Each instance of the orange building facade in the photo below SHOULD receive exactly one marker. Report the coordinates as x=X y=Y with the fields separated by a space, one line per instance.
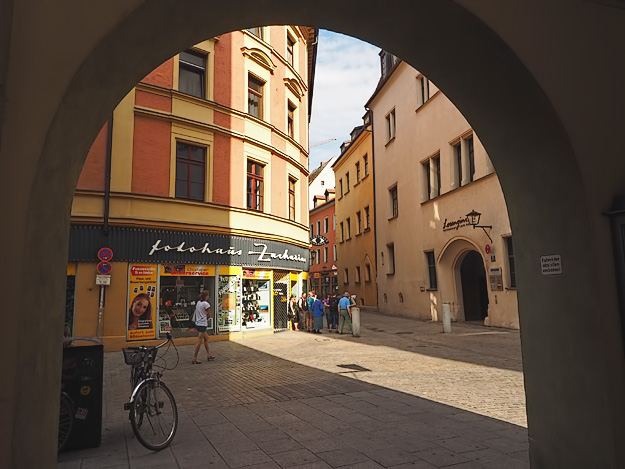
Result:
x=198 y=181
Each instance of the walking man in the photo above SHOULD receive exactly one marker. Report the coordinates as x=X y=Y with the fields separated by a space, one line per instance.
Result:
x=345 y=313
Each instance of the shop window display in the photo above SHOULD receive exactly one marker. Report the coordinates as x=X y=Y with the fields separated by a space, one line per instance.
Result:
x=256 y=301
x=177 y=299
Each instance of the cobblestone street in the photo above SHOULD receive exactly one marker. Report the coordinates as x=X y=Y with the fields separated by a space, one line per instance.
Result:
x=402 y=394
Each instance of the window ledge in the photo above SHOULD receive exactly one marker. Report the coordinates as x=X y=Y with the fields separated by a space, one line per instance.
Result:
x=431 y=289
x=393 y=217
x=390 y=273
x=366 y=229
x=364 y=177
x=358 y=234
x=390 y=141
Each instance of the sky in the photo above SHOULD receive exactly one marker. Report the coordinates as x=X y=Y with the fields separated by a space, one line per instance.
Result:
x=346 y=75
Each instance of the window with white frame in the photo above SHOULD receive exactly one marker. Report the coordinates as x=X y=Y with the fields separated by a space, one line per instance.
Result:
x=255 y=89
x=365 y=160
x=334 y=222
x=290 y=120
x=430 y=178
x=334 y=252
x=423 y=90
x=390 y=126
x=325 y=225
x=258 y=31
x=255 y=185
x=357 y=172
x=290 y=50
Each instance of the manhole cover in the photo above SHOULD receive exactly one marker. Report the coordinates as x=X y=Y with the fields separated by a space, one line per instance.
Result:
x=354 y=367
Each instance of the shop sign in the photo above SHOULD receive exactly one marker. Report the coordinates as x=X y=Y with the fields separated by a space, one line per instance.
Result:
x=142 y=302
x=257 y=274
x=187 y=270
x=455 y=224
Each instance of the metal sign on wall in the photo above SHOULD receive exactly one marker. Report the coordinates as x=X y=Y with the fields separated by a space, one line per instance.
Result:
x=160 y=246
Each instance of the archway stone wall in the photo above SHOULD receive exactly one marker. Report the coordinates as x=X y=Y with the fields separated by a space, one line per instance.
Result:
x=519 y=91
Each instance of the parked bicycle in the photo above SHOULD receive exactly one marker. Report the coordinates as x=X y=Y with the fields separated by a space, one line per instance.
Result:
x=153 y=411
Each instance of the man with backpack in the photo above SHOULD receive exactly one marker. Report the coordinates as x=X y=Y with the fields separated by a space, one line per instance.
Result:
x=303 y=306
x=333 y=323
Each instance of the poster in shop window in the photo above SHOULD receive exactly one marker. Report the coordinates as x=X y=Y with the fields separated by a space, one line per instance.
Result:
x=229 y=303
x=142 y=301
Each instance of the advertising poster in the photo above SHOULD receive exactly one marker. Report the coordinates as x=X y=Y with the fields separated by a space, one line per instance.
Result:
x=188 y=270
x=142 y=301
x=229 y=303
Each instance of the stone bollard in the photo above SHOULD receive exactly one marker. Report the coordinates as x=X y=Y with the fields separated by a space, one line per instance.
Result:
x=446 y=317
x=355 y=320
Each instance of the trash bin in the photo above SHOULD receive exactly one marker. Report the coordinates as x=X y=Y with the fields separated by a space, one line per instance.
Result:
x=82 y=382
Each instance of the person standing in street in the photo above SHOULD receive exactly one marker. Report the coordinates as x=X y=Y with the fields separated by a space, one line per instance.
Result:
x=334 y=313
x=303 y=313
x=317 y=312
x=200 y=317
x=345 y=313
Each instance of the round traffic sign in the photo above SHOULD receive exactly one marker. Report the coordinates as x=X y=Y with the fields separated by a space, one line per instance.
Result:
x=105 y=254
x=104 y=268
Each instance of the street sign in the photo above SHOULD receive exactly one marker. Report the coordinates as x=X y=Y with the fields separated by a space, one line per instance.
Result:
x=104 y=268
x=102 y=279
x=105 y=254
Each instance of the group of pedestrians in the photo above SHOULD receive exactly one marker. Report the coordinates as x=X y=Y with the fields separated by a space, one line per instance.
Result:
x=307 y=312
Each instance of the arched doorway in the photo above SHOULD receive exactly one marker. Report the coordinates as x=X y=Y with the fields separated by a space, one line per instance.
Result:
x=474 y=291
x=51 y=128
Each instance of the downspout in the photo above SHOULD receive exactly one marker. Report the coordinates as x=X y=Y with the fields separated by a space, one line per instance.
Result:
x=375 y=209
x=107 y=176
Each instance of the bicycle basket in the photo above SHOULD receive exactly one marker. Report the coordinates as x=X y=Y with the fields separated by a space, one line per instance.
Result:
x=132 y=356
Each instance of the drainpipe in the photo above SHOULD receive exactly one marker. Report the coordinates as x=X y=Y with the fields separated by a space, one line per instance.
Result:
x=107 y=176
x=375 y=209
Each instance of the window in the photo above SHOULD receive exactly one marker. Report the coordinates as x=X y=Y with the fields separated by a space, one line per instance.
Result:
x=318 y=227
x=431 y=263
x=357 y=172
x=341 y=186
x=427 y=183
x=359 y=222
x=457 y=152
x=423 y=91
x=334 y=222
x=325 y=254
x=255 y=185
x=357 y=279
x=312 y=230
x=347 y=182
x=290 y=122
x=390 y=268
x=318 y=256
x=471 y=157
x=390 y=126
x=367 y=219
x=393 y=201
x=334 y=252
x=342 y=232
x=325 y=225
x=367 y=272
x=346 y=273
x=511 y=269
x=431 y=178
x=349 y=228
x=292 y=199
x=192 y=73
x=190 y=171
x=366 y=161
x=290 y=49
x=255 y=97
x=258 y=32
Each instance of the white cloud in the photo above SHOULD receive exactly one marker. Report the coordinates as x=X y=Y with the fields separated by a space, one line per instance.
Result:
x=346 y=74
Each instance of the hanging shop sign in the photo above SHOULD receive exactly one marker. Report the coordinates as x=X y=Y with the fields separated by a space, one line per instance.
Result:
x=179 y=247
x=142 y=301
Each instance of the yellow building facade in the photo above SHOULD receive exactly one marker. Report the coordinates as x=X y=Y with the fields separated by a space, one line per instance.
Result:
x=355 y=212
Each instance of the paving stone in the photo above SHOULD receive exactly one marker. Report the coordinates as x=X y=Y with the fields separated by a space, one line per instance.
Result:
x=342 y=457
x=415 y=465
x=391 y=456
x=460 y=444
x=245 y=458
x=296 y=457
x=280 y=445
x=440 y=457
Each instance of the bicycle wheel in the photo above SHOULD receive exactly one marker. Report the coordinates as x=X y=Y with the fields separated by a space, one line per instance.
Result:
x=66 y=420
x=154 y=415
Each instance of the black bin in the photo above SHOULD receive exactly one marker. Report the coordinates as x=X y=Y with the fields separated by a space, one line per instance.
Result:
x=82 y=381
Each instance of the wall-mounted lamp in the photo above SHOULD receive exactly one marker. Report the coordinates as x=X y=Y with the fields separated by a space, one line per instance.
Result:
x=474 y=221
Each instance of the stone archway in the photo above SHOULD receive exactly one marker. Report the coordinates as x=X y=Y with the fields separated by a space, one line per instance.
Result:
x=46 y=131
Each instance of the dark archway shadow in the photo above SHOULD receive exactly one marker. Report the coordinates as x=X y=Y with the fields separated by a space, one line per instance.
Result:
x=251 y=408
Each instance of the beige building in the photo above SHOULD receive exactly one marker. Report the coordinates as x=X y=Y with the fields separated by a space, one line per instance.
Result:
x=354 y=216
x=433 y=179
